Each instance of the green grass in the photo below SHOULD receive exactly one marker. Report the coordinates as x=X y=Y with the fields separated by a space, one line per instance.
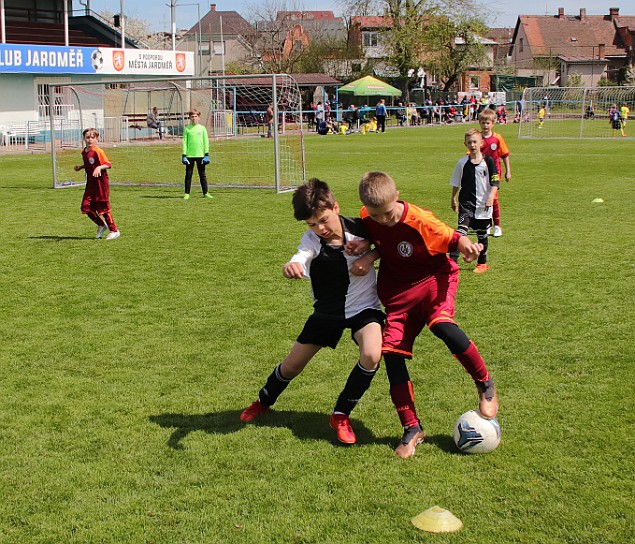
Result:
x=125 y=364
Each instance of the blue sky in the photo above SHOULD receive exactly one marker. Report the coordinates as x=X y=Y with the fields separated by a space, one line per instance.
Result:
x=500 y=13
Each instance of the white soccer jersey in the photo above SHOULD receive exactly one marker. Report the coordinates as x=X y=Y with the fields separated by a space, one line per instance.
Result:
x=476 y=182
x=336 y=292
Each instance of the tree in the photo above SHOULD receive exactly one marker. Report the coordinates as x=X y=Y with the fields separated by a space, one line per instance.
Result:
x=453 y=45
x=424 y=34
x=289 y=44
x=137 y=31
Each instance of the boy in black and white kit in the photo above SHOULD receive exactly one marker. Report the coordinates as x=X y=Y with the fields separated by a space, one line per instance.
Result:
x=475 y=179
x=341 y=301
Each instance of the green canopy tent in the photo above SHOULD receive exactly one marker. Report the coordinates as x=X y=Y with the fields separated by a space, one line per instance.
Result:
x=369 y=86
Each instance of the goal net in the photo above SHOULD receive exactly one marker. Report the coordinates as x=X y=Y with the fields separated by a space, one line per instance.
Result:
x=575 y=112
x=244 y=151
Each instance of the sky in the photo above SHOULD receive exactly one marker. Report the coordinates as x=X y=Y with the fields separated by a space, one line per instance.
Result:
x=499 y=13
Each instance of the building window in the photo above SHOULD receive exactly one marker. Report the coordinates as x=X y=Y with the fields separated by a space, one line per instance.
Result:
x=61 y=101
x=218 y=48
x=521 y=46
x=370 y=39
x=474 y=82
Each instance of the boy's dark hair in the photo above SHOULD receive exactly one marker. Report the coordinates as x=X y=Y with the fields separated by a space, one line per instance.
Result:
x=312 y=197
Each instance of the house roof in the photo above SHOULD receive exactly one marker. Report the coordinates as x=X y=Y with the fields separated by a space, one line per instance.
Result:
x=572 y=36
x=305 y=15
x=375 y=21
x=303 y=80
x=233 y=24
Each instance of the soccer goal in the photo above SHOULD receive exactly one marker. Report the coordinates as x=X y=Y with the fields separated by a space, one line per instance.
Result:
x=574 y=112
x=243 y=152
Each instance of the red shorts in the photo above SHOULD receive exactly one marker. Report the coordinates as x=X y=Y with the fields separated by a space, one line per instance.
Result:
x=433 y=303
x=89 y=204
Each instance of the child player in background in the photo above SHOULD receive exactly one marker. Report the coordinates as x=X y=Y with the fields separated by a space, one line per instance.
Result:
x=341 y=301
x=494 y=146
x=96 y=200
x=195 y=151
x=475 y=181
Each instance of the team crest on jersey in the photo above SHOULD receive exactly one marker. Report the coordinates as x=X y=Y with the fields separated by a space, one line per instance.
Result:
x=493 y=146
x=404 y=249
x=91 y=160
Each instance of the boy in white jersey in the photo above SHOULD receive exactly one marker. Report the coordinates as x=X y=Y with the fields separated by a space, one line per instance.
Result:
x=342 y=301
x=475 y=181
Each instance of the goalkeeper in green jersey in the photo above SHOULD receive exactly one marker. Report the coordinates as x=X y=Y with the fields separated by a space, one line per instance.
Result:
x=195 y=151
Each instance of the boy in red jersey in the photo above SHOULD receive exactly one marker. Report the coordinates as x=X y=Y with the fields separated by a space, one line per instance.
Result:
x=417 y=284
x=96 y=200
x=494 y=146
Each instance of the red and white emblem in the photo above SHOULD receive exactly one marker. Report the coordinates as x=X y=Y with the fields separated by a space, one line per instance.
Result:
x=180 y=62
x=118 y=60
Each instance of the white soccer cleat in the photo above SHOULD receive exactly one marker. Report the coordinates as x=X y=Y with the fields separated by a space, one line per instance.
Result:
x=113 y=235
x=100 y=231
x=498 y=232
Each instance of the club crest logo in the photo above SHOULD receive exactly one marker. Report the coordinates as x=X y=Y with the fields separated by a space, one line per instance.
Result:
x=404 y=249
x=91 y=160
x=180 y=62
x=118 y=60
x=493 y=146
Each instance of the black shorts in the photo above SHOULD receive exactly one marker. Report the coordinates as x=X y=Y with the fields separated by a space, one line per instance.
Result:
x=467 y=222
x=325 y=332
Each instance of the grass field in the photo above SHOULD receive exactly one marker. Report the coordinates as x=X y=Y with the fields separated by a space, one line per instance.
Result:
x=125 y=364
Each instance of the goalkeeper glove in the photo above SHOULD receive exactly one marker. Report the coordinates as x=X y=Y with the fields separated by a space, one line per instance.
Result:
x=184 y=160
x=206 y=159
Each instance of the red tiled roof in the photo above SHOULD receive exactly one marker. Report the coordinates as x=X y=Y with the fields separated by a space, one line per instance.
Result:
x=569 y=36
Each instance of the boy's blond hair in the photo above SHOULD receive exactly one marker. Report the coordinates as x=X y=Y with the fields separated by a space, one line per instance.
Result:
x=93 y=132
x=487 y=113
x=472 y=132
x=193 y=112
x=377 y=189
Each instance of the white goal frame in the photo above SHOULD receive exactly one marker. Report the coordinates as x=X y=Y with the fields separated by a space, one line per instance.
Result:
x=233 y=109
x=574 y=112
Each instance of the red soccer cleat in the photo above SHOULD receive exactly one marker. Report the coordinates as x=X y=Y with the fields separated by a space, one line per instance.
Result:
x=255 y=409
x=342 y=425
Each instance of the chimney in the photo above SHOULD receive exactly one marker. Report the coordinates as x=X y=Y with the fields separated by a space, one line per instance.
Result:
x=601 y=50
x=614 y=13
x=582 y=14
x=212 y=7
x=560 y=13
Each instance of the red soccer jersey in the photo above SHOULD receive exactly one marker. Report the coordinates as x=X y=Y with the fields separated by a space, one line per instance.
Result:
x=97 y=187
x=412 y=251
x=495 y=147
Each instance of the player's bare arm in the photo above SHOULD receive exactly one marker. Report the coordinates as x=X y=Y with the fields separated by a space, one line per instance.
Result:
x=362 y=266
x=469 y=249
x=293 y=271
x=356 y=247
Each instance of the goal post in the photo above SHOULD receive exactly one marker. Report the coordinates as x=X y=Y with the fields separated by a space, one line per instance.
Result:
x=574 y=112
x=244 y=151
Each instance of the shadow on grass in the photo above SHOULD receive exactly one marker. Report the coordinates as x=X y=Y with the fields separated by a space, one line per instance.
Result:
x=444 y=442
x=304 y=425
x=61 y=238
x=164 y=197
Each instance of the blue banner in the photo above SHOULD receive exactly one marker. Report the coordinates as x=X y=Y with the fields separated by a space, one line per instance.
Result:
x=46 y=59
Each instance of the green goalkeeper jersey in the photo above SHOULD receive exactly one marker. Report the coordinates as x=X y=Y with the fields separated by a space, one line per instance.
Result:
x=195 y=141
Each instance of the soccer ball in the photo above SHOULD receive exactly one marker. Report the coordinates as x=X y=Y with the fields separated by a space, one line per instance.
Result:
x=97 y=59
x=475 y=434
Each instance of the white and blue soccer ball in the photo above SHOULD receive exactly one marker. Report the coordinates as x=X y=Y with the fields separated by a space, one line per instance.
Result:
x=97 y=59
x=475 y=434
